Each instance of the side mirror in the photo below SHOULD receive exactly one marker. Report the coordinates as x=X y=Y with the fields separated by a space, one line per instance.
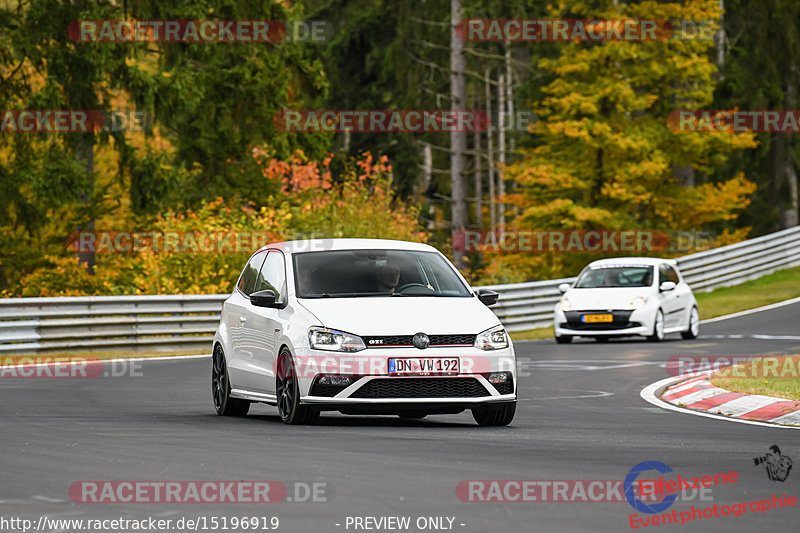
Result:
x=667 y=286
x=487 y=297
x=264 y=298
x=564 y=287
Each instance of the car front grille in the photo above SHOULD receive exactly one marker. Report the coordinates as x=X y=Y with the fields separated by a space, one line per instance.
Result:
x=621 y=321
x=395 y=341
x=421 y=388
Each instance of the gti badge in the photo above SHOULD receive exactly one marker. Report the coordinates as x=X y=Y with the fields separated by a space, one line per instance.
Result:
x=421 y=341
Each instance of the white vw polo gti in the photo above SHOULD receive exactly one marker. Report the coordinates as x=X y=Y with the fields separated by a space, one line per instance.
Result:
x=361 y=326
x=627 y=296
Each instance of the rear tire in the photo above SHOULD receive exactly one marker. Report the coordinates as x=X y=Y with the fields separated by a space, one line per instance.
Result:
x=287 y=391
x=564 y=339
x=221 y=388
x=494 y=416
x=601 y=339
x=658 y=328
x=694 y=325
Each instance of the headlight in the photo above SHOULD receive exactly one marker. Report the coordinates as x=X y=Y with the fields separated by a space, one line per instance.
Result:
x=492 y=339
x=637 y=302
x=565 y=304
x=331 y=340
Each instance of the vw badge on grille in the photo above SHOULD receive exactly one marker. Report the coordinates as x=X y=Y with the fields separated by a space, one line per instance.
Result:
x=421 y=341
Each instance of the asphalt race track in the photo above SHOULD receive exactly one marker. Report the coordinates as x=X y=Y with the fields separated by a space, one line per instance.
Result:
x=580 y=417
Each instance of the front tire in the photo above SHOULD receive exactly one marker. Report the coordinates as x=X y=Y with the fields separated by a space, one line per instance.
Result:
x=694 y=325
x=563 y=339
x=494 y=416
x=221 y=388
x=658 y=328
x=287 y=388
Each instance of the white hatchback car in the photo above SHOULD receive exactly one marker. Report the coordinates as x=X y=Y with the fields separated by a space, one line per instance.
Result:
x=627 y=296
x=361 y=326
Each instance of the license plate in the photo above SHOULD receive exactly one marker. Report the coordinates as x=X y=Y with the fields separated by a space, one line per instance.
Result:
x=424 y=365
x=592 y=319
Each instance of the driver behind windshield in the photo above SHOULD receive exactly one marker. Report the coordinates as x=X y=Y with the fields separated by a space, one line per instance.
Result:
x=388 y=277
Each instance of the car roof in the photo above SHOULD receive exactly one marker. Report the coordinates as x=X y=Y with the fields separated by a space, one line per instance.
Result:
x=319 y=245
x=632 y=261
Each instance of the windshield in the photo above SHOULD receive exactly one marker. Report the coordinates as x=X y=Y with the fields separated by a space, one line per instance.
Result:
x=357 y=273
x=615 y=276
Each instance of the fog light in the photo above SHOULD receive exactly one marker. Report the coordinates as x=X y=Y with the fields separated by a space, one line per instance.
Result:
x=336 y=381
x=498 y=377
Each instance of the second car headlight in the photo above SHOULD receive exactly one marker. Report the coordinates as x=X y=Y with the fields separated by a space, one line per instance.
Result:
x=492 y=339
x=565 y=304
x=637 y=302
x=332 y=340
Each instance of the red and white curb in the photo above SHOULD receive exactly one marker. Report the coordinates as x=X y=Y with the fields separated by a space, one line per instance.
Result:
x=696 y=395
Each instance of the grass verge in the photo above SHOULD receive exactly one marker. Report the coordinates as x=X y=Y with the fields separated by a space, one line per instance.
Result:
x=772 y=288
x=768 y=376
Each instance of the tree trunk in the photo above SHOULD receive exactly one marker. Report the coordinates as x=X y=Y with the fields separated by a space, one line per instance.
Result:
x=501 y=149
x=84 y=151
x=490 y=154
x=719 y=38
x=789 y=212
x=458 y=139
x=427 y=167
x=478 y=180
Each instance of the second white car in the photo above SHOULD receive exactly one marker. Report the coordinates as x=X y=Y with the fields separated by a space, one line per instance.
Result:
x=624 y=297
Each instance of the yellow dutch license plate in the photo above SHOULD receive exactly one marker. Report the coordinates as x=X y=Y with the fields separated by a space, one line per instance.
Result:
x=593 y=319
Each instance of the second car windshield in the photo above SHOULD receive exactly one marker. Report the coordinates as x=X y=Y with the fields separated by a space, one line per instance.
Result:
x=349 y=273
x=618 y=276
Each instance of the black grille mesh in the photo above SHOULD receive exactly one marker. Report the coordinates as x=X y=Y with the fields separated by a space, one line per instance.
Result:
x=437 y=340
x=421 y=388
x=325 y=390
x=504 y=388
x=405 y=340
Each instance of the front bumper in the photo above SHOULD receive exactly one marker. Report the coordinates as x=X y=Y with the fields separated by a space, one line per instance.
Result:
x=372 y=385
x=625 y=323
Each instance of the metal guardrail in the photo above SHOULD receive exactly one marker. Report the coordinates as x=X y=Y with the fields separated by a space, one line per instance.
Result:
x=530 y=305
x=109 y=323
x=186 y=322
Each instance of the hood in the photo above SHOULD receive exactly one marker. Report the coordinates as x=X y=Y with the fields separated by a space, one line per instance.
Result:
x=604 y=299
x=402 y=315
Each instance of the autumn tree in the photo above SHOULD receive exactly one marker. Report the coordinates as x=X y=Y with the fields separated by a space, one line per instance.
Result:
x=607 y=157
